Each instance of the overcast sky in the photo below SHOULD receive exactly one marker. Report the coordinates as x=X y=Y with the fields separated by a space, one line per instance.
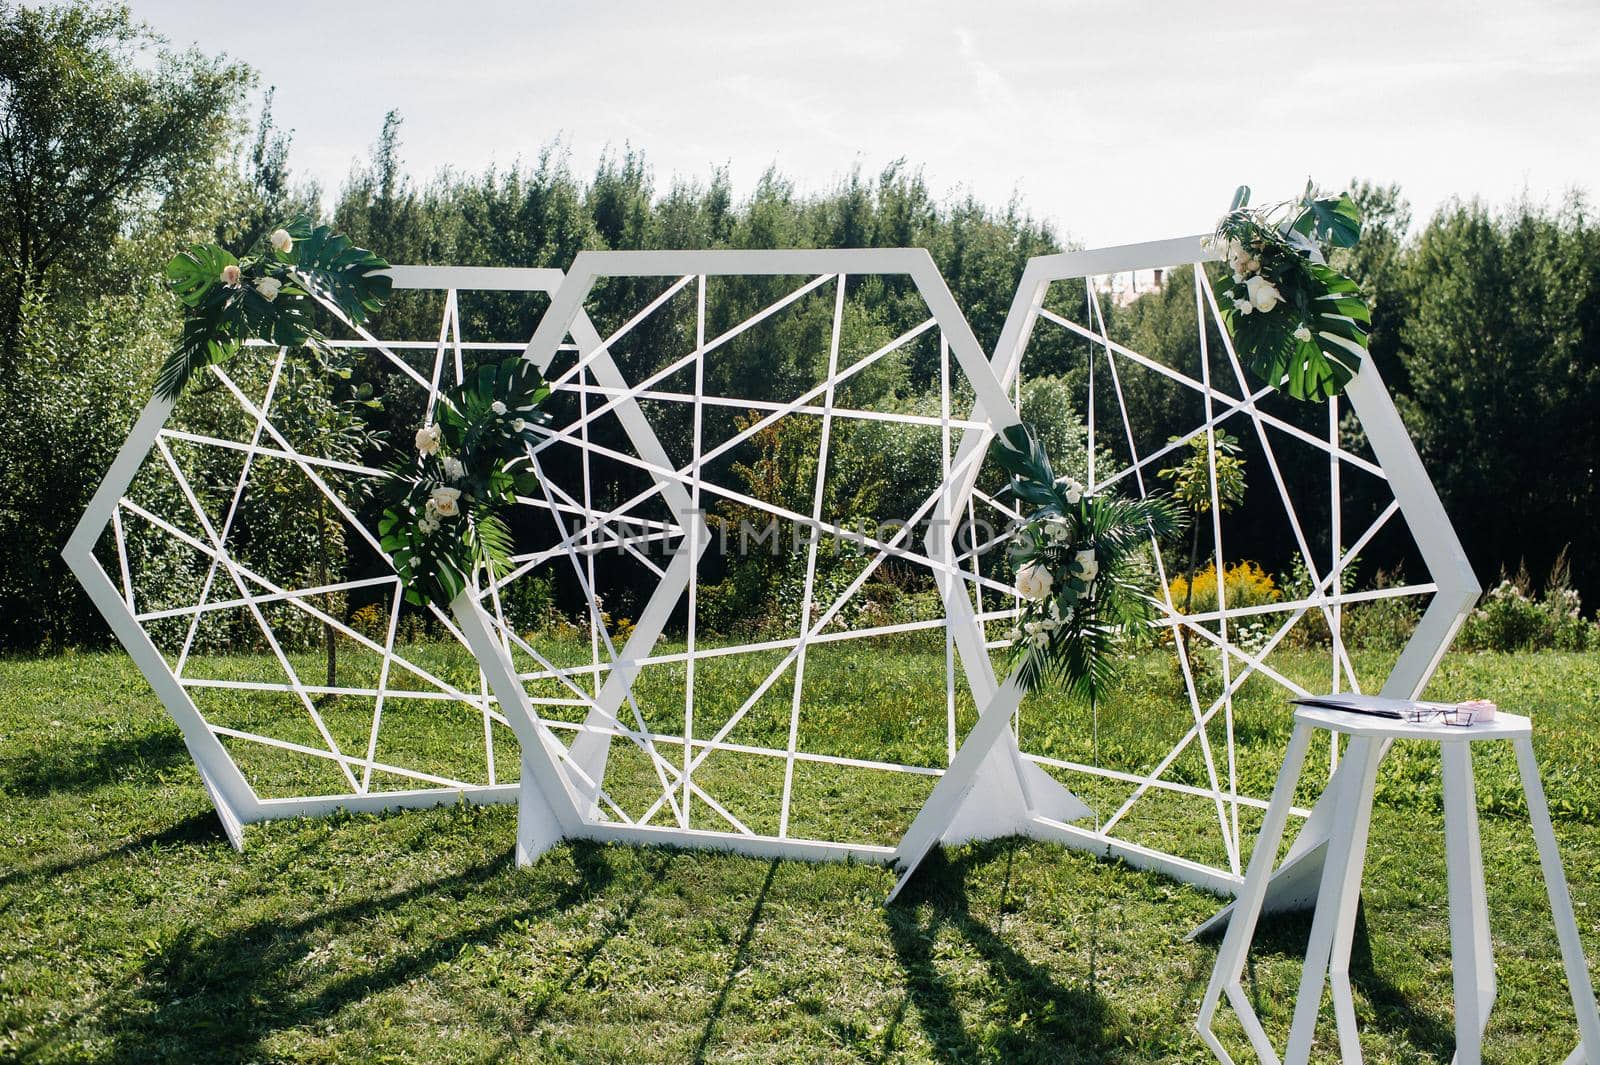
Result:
x=1116 y=122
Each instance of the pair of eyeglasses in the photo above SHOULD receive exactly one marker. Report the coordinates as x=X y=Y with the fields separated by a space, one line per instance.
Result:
x=1458 y=716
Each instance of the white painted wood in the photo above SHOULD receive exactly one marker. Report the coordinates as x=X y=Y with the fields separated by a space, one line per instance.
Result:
x=1332 y=930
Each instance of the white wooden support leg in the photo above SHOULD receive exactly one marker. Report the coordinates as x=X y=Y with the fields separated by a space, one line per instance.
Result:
x=1229 y=967
x=1336 y=908
x=538 y=828
x=1344 y=933
x=1471 y=953
x=1555 y=883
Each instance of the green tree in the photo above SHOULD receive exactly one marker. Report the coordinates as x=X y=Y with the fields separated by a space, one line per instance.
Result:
x=1503 y=354
x=90 y=135
x=1191 y=487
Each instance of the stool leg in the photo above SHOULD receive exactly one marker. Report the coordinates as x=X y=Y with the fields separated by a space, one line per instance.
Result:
x=1247 y=908
x=1471 y=954
x=1555 y=883
x=1337 y=898
x=1344 y=934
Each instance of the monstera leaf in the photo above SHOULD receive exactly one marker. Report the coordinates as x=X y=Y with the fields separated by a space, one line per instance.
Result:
x=1314 y=367
x=265 y=296
x=1304 y=331
x=352 y=277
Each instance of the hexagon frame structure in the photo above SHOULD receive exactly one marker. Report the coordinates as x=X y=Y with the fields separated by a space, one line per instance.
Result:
x=554 y=804
x=1455 y=588
x=236 y=800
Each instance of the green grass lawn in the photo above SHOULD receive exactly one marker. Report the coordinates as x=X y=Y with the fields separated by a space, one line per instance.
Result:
x=129 y=930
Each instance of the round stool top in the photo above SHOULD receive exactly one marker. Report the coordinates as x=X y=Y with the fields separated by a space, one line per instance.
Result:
x=1504 y=726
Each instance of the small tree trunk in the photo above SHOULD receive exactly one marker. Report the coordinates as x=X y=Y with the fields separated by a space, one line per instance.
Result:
x=328 y=600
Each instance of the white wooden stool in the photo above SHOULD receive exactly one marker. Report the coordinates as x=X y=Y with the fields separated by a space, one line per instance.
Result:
x=1333 y=927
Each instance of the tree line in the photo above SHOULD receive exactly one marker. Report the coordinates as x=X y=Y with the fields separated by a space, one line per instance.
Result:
x=115 y=150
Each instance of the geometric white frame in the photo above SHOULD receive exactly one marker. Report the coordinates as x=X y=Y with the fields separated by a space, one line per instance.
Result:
x=554 y=806
x=236 y=801
x=1455 y=591
x=990 y=788
x=1332 y=931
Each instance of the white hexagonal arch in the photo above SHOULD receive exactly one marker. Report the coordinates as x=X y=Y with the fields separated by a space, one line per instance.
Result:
x=562 y=806
x=284 y=714
x=1249 y=406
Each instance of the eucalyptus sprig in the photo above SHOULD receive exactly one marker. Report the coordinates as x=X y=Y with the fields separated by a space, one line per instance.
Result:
x=1076 y=557
x=267 y=295
x=443 y=517
x=1296 y=323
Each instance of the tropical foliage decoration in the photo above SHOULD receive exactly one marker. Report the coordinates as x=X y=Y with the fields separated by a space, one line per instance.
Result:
x=1296 y=322
x=1081 y=571
x=442 y=518
x=266 y=295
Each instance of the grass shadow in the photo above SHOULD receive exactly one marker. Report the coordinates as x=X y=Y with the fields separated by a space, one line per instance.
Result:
x=200 y=828
x=83 y=768
x=741 y=959
x=1042 y=1020
x=1391 y=1010
x=210 y=997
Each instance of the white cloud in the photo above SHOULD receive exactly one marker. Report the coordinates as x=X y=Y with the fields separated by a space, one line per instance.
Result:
x=1119 y=122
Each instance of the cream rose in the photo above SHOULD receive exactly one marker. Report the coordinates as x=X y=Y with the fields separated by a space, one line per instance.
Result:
x=446 y=501
x=1033 y=582
x=268 y=288
x=230 y=274
x=428 y=439
x=281 y=241
x=1263 y=293
x=1088 y=567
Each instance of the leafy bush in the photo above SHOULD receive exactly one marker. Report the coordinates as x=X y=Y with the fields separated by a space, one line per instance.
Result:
x=1244 y=583
x=1382 y=624
x=1512 y=617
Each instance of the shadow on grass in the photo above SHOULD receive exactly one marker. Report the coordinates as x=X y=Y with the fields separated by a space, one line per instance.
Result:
x=741 y=958
x=88 y=767
x=1387 y=1008
x=200 y=828
x=209 y=997
x=1039 y=1020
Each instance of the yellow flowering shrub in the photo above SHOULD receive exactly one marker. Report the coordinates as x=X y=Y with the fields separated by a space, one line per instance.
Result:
x=1245 y=583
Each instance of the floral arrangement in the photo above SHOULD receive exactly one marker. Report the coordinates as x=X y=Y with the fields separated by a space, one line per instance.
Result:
x=1079 y=572
x=1296 y=323
x=265 y=295
x=442 y=521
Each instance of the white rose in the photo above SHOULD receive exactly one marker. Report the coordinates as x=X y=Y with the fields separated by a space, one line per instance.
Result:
x=497 y=407
x=268 y=288
x=1243 y=306
x=1088 y=567
x=1302 y=334
x=453 y=468
x=1033 y=582
x=1237 y=256
x=1056 y=531
x=281 y=241
x=428 y=439
x=1041 y=639
x=517 y=425
x=1263 y=293
x=446 y=501
x=1071 y=490
x=230 y=274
